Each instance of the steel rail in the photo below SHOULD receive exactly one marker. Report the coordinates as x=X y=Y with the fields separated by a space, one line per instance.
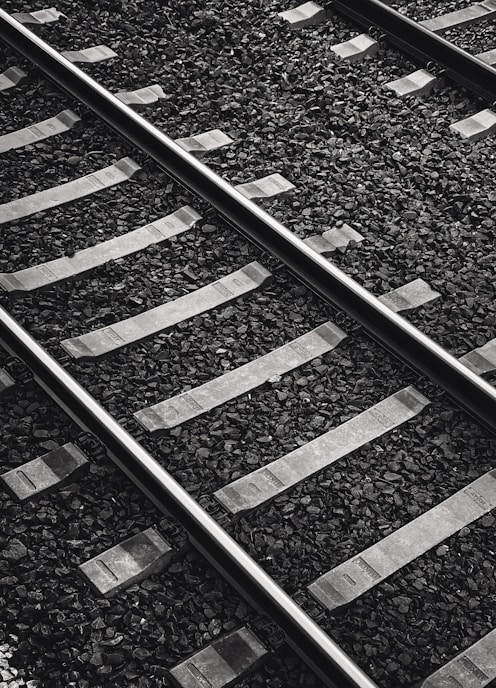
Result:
x=423 y=44
x=405 y=341
x=309 y=641
x=400 y=337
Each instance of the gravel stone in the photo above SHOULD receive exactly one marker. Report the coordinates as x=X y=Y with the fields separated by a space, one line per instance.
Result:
x=424 y=205
x=14 y=550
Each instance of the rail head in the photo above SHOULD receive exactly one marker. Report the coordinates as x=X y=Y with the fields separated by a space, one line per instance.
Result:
x=401 y=338
x=423 y=44
x=309 y=641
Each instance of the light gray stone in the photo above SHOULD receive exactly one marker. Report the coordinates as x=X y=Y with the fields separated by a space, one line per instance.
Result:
x=120 y=172
x=59 y=124
x=194 y=402
x=81 y=262
x=263 y=484
x=14 y=550
x=220 y=292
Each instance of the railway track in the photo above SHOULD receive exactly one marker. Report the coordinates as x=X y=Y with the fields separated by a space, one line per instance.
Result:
x=254 y=506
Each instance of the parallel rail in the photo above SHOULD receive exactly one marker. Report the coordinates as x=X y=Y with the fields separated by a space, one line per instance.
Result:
x=307 y=639
x=396 y=334
x=422 y=44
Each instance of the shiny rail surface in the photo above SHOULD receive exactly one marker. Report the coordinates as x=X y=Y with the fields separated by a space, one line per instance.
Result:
x=307 y=639
x=395 y=333
x=328 y=661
